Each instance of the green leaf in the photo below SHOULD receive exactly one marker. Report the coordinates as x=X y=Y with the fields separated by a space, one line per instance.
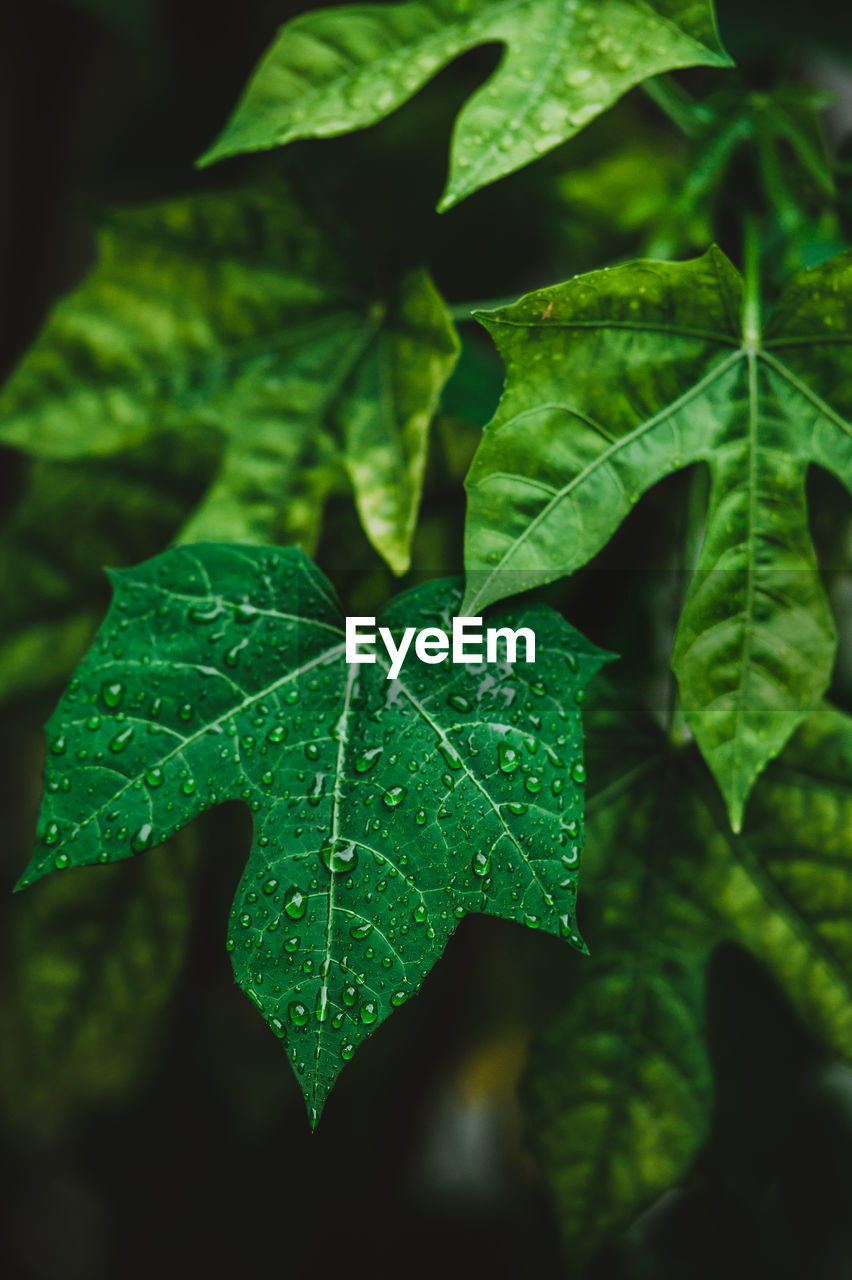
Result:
x=665 y=880
x=620 y=377
x=566 y=61
x=94 y=960
x=233 y=313
x=617 y=1088
x=122 y=510
x=384 y=811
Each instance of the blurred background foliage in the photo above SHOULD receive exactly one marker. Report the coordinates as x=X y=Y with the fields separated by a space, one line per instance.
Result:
x=678 y=1105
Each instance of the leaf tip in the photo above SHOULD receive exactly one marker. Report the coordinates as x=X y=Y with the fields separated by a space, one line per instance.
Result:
x=735 y=805
x=218 y=150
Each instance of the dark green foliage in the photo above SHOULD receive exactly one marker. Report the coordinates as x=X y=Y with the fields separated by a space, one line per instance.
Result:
x=385 y=810
x=243 y=393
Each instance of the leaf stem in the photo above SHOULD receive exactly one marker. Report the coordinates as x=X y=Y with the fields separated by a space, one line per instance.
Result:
x=751 y=275
x=674 y=102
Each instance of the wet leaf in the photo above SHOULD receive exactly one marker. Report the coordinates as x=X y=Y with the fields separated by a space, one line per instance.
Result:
x=384 y=810
x=620 y=377
x=565 y=62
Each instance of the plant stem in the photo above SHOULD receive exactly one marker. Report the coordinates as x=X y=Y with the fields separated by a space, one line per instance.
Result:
x=751 y=274
x=676 y=103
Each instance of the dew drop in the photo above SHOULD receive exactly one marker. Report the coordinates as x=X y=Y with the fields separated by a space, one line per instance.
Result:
x=481 y=864
x=112 y=692
x=143 y=838
x=394 y=797
x=295 y=902
x=341 y=855
x=207 y=611
x=121 y=739
x=297 y=1013
x=367 y=759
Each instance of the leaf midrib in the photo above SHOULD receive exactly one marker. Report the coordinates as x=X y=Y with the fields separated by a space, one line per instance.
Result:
x=623 y=442
x=751 y=354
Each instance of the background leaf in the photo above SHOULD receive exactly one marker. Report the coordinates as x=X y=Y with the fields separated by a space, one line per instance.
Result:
x=123 y=509
x=345 y=67
x=90 y=962
x=618 y=1093
x=619 y=377
x=240 y=316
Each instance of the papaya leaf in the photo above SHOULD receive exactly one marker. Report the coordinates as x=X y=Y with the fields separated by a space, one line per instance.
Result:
x=566 y=61
x=384 y=810
x=94 y=960
x=620 y=377
x=122 y=510
x=666 y=880
x=235 y=313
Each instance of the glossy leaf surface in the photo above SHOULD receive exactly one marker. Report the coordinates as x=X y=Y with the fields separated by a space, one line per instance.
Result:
x=384 y=811
x=619 y=377
x=566 y=61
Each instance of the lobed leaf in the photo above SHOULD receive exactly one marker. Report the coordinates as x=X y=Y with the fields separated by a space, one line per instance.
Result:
x=565 y=61
x=384 y=810
x=622 y=376
x=122 y=509
x=235 y=314
x=94 y=959
x=666 y=880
